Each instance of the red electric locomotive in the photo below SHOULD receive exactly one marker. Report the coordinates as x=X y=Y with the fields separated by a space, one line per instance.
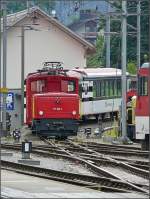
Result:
x=52 y=102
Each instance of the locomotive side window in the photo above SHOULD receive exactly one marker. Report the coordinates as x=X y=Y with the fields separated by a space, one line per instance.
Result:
x=143 y=86
x=67 y=86
x=71 y=86
x=33 y=86
x=40 y=85
x=37 y=86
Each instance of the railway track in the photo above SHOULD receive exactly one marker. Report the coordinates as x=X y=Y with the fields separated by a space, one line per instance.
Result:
x=71 y=157
x=94 y=162
x=128 y=147
x=103 y=163
x=95 y=159
x=114 y=151
x=98 y=183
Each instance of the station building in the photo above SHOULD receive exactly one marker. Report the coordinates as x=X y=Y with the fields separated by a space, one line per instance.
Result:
x=45 y=39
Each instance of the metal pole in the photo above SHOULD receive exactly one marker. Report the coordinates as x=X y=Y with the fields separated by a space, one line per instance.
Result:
x=4 y=62
x=108 y=36
x=0 y=76
x=22 y=75
x=123 y=57
x=138 y=34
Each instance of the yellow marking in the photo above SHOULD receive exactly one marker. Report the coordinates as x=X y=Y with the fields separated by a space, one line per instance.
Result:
x=80 y=108
x=3 y=90
x=33 y=110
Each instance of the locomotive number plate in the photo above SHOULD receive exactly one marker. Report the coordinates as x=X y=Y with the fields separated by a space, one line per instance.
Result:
x=57 y=109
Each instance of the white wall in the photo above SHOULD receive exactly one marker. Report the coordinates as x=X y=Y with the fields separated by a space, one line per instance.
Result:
x=48 y=44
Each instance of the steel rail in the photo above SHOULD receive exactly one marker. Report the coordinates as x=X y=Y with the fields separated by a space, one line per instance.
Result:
x=95 y=144
x=72 y=178
x=124 y=165
x=97 y=170
x=88 y=162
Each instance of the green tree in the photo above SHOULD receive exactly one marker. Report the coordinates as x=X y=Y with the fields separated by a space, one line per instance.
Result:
x=131 y=67
x=97 y=59
x=132 y=36
x=16 y=6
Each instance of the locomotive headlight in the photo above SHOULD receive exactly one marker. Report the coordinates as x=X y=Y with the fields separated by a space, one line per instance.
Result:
x=74 y=112
x=41 y=112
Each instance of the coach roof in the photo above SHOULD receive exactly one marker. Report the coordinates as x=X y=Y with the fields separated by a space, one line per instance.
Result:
x=96 y=72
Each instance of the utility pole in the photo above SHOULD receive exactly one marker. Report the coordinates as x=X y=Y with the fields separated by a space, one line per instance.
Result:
x=0 y=76
x=28 y=5
x=4 y=62
x=138 y=34
x=123 y=60
x=22 y=74
x=108 y=36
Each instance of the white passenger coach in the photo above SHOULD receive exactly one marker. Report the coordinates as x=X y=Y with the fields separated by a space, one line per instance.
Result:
x=99 y=90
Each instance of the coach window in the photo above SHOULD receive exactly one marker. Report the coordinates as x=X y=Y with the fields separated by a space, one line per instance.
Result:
x=111 y=88
x=98 y=88
x=115 y=87
x=106 y=88
x=85 y=88
x=103 y=88
x=143 y=86
x=94 y=89
x=118 y=87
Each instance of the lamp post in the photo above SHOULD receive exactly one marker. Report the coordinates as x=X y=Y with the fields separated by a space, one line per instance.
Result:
x=138 y=34
x=108 y=37
x=4 y=63
x=22 y=74
x=124 y=63
x=23 y=29
x=0 y=80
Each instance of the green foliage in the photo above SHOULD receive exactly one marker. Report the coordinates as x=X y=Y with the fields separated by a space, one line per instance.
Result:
x=97 y=59
x=74 y=18
x=131 y=67
x=15 y=5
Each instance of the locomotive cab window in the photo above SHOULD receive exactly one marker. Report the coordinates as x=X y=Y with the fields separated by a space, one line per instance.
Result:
x=67 y=86
x=38 y=86
x=143 y=86
x=71 y=86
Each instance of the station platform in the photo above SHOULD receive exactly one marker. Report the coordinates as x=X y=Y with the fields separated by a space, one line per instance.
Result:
x=15 y=185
